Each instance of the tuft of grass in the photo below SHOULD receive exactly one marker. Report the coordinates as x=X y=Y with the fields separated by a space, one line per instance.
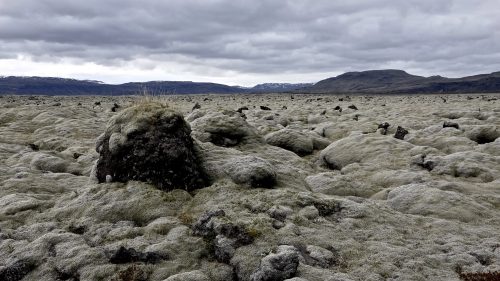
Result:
x=186 y=218
x=254 y=233
x=146 y=96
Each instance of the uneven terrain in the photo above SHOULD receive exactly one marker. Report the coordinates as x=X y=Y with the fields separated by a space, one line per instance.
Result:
x=300 y=187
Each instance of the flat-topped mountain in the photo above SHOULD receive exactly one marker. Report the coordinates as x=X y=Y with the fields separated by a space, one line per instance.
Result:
x=61 y=86
x=399 y=81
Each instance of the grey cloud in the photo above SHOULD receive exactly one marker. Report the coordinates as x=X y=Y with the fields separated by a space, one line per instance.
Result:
x=433 y=37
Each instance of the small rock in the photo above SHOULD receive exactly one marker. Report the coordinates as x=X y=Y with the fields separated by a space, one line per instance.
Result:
x=309 y=212
x=196 y=106
x=279 y=266
x=279 y=212
x=33 y=147
x=240 y=110
x=263 y=107
x=115 y=107
x=252 y=171
x=384 y=127
x=321 y=256
x=17 y=270
x=204 y=226
x=352 y=107
x=124 y=255
x=298 y=142
x=447 y=124
x=400 y=133
x=224 y=248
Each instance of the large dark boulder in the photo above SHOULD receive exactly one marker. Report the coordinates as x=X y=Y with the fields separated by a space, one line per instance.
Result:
x=151 y=143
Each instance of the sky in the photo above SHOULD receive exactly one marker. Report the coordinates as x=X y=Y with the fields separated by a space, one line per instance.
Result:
x=248 y=42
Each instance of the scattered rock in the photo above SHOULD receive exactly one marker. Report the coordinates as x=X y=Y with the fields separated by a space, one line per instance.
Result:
x=384 y=126
x=352 y=107
x=279 y=266
x=483 y=134
x=224 y=129
x=33 y=147
x=427 y=200
x=400 y=133
x=279 y=212
x=115 y=107
x=196 y=106
x=129 y=255
x=263 y=107
x=252 y=171
x=338 y=108
x=321 y=256
x=49 y=163
x=292 y=140
x=447 y=124
x=223 y=237
x=309 y=212
x=240 y=110
x=149 y=143
x=17 y=270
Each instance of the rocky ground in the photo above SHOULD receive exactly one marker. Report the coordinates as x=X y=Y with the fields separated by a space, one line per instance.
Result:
x=290 y=188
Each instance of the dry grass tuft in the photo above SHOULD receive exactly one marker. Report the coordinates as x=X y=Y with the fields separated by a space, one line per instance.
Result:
x=146 y=96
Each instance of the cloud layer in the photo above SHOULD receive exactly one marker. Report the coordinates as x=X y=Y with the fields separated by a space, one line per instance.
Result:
x=235 y=41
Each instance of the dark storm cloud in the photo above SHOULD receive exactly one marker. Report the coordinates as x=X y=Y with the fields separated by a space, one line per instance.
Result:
x=453 y=37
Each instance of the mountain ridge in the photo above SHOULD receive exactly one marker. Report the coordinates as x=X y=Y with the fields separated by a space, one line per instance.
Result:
x=393 y=81
x=385 y=81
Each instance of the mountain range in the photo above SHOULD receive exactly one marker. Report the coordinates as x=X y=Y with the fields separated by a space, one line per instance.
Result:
x=398 y=81
x=388 y=81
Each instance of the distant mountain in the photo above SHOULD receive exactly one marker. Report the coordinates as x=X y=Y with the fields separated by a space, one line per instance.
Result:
x=388 y=81
x=61 y=86
x=398 y=81
x=279 y=87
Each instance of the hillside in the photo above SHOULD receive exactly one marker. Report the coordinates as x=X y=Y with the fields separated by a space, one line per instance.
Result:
x=61 y=86
x=399 y=81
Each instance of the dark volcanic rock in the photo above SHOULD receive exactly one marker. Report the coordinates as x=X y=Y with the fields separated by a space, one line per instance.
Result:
x=17 y=270
x=240 y=110
x=33 y=147
x=400 y=133
x=149 y=143
x=263 y=107
x=128 y=255
x=384 y=126
x=196 y=106
x=115 y=107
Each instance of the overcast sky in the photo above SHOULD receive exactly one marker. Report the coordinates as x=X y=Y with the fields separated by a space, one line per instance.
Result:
x=246 y=42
